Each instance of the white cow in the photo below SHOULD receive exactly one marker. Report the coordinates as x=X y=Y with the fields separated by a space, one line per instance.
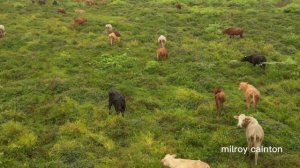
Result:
x=171 y=162
x=2 y=31
x=254 y=132
x=162 y=40
x=109 y=28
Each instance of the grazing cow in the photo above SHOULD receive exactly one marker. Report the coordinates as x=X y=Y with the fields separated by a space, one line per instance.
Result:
x=252 y=95
x=54 y=2
x=178 y=5
x=117 y=99
x=80 y=21
x=254 y=133
x=162 y=40
x=172 y=162
x=91 y=2
x=234 y=31
x=219 y=98
x=256 y=59
x=2 y=31
x=42 y=2
x=79 y=11
x=161 y=53
x=114 y=37
x=61 y=10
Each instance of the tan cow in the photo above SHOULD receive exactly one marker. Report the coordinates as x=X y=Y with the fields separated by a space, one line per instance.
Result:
x=171 y=162
x=254 y=132
x=79 y=11
x=91 y=2
x=114 y=37
x=252 y=95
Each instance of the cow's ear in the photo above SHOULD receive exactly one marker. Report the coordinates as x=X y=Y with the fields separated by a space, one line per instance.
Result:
x=173 y=155
x=236 y=117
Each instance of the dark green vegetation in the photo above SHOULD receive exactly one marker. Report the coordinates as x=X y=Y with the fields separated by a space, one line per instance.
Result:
x=54 y=79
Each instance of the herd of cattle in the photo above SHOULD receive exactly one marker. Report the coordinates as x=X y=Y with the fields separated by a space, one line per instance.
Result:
x=254 y=132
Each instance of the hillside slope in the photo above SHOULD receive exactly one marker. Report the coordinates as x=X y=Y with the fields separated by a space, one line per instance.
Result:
x=54 y=80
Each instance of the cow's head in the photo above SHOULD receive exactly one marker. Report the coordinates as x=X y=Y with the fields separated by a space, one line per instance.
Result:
x=167 y=160
x=225 y=31
x=108 y=26
x=243 y=120
x=245 y=59
x=217 y=90
x=243 y=86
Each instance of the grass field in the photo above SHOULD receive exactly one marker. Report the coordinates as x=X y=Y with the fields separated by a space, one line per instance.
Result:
x=54 y=80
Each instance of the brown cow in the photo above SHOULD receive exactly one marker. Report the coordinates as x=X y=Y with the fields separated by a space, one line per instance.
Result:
x=161 y=53
x=178 y=5
x=219 y=98
x=80 y=21
x=61 y=10
x=234 y=31
x=252 y=95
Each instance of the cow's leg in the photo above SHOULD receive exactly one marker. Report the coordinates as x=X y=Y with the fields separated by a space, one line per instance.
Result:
x=249 y=147
x=254 y=103
x=248 y=102
x=221 y=106
x=111 y=41
x=263 y=65
x=109 y=106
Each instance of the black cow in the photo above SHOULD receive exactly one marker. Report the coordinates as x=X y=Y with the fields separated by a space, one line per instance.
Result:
x=42 y=2
x=255 y=59
x=54 y=2
x=117 y=99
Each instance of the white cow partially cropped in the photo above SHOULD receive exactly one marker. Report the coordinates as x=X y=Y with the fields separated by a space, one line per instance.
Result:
x=2 y=31
x=171 y=162
x=254 y=132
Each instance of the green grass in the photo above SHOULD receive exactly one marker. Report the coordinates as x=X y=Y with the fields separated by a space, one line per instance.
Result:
x=54 y=79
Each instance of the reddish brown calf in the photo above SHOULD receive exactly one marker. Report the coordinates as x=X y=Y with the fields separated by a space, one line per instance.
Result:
x=161 y=53
x=234 y=31
x=61 y=10
x=219 y=98
x=178 y=5
x=80 y=21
